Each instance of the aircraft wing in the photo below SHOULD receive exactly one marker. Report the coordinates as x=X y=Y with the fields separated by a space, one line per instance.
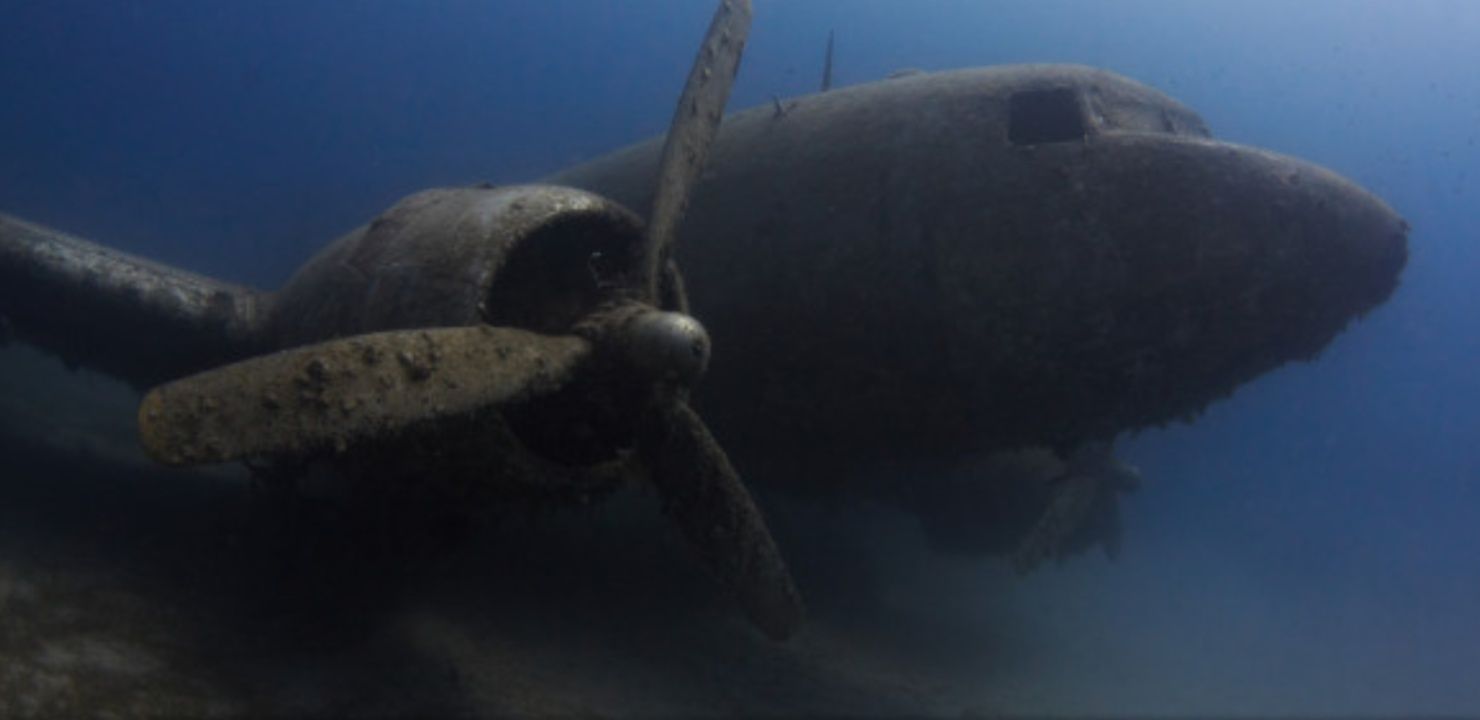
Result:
x=137 y=320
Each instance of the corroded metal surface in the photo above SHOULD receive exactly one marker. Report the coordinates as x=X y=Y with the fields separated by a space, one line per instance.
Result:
x=650 y=344
x=134 y=318
x=703 y=494
x=338 y=393
x=419 y=338
x=526 y=256
x=904 y=269
x=691 y=133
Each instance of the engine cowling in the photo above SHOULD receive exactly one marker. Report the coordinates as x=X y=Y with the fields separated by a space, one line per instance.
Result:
x=529 y=256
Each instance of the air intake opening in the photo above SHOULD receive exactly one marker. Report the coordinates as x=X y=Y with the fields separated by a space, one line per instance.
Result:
x=555 y=276
x=1044 y=116
x=552 y=278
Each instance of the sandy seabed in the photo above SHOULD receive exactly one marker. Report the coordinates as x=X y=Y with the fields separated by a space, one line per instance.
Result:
x=128 y=590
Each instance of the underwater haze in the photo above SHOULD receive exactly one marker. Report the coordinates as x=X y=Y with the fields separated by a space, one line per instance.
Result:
x=1309 y=545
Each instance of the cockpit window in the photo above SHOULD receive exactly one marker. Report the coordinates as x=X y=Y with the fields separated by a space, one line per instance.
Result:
x=1044 y=116
x=1144 y=112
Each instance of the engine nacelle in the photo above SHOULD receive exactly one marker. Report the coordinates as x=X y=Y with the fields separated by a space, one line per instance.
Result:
x=536 y=257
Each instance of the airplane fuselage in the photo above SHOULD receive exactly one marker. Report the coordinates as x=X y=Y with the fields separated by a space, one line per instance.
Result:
x=991 y=258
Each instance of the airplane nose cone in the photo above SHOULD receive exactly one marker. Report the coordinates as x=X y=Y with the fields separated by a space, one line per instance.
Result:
x=1291 y=250
x=1355 y=243
x=1155 y=275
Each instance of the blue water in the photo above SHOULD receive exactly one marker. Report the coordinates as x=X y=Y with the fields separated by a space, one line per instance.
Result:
x=1312 y=543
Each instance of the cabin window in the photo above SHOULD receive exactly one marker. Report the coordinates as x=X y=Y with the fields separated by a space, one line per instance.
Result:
x=1044 y=116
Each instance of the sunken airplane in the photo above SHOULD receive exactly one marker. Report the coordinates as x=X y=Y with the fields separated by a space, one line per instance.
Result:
x=995 y=271
x=1012 y=263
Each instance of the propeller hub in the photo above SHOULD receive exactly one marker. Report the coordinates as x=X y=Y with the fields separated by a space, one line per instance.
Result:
x=669 y=346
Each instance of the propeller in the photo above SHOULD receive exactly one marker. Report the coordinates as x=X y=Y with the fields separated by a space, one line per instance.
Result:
x=338 y=393
x=691 y=133
x=347 y=391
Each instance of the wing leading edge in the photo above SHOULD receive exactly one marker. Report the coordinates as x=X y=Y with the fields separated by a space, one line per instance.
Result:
x=137 y=320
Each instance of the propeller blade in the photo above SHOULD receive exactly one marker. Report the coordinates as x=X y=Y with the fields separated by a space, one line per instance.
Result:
x=1067 y=510
x=703 y=494
x=343 y=391
x=695 y=123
